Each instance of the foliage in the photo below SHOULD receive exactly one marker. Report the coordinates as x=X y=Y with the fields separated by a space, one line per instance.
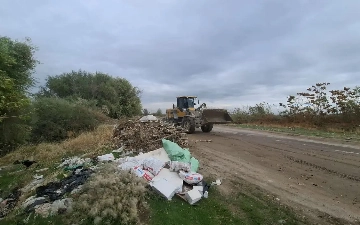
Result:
x=251 y=114
x=317 y=107
x=158 y=113
x=56 y=119
x=115 y=96
x=146 y=112
x=17 y=64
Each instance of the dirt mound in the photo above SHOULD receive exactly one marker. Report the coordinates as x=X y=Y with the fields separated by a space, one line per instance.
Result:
x=143 y=137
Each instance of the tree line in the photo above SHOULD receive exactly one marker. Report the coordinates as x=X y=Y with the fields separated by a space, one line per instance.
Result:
x=66 y=105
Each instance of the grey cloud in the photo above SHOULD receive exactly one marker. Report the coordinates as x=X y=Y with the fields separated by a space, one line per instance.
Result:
x=218 y=50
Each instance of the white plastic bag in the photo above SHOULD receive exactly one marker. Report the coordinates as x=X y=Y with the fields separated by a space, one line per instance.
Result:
x=176 y=166
x=190 y=178
x=153 y=165
x=129 y=163
x=106 y=157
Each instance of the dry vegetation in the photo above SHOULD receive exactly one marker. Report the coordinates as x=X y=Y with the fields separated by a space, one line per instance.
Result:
x=318 y=108
x=113 y=195
x=91 y=143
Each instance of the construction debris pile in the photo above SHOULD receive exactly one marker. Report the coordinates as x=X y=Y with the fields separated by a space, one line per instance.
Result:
x=144 y=136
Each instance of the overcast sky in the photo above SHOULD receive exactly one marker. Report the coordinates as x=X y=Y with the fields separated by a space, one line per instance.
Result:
x=229 y=53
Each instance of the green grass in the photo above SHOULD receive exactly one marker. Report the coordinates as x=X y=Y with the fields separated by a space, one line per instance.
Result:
x=304 y=131
x=236 y=209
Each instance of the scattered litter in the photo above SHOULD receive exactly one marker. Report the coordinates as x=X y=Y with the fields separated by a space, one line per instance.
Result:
x=153 y=165
x=41 y=170
x=38 y=177
x=167 y=187
x=175 y=166
x=9 y=202
x=200 y=189
x=43 y=210
x=217 y=182
x=30 y=203
x=206 y=194
x=55 y=190
x=119 y=150
x=193 y=196
x=106 y=157
x=190 y=178
x=74 y=162
x=61 y=206
x=31 y=186
x=129 y=163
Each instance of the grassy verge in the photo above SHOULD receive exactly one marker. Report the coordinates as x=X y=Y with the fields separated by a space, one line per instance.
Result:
x=235 y=208
x=303 y=131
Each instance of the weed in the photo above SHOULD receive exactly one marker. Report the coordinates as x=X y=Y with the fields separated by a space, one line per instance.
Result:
x=112 y=196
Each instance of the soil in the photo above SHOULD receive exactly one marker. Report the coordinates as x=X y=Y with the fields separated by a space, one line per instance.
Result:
x=320 y=179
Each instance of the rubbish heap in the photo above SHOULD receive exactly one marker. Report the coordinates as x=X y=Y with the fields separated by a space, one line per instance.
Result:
x=170 y=170
x=143 y=136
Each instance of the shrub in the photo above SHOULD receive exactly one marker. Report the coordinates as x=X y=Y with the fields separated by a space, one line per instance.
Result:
x=57 y=119
x=112 y=196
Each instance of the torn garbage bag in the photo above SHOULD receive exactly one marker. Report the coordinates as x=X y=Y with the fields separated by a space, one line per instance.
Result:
x=55 y=190
x=194 y=164
x=175 y=152
x=190 y=178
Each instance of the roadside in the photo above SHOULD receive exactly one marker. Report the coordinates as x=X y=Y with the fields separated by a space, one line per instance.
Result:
x=316 y=134
x=317 y=179
x=234 y=204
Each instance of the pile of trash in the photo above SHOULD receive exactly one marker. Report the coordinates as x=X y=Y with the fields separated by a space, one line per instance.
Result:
x=170 y=170
x=144 y=136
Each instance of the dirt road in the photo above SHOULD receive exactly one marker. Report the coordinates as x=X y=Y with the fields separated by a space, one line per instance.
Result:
x=312 y=176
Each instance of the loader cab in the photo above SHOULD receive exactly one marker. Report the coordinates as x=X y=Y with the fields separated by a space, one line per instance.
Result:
x=186 y=102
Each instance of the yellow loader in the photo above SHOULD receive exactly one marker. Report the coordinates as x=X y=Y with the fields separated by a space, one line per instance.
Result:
x=185 y=114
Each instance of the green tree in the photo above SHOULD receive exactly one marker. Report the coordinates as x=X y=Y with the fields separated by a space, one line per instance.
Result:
x=17 y=65
x=146 y=112
x=115 y=94
x=158 y=112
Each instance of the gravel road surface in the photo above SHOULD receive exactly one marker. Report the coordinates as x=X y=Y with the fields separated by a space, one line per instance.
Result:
x=313 y=176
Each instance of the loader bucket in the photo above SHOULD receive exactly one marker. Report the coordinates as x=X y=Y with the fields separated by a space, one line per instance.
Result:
x=216 y=116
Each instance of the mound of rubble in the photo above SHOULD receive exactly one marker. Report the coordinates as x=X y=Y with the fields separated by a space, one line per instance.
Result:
x=140 y=136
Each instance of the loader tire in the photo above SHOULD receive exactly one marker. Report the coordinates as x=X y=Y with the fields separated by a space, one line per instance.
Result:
x=206 y=128
x=189 y=125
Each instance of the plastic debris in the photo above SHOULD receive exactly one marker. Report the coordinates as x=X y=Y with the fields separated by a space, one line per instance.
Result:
x=55 y=190
x=190 y=178
x=106 y=157
x=153 y=165
x=38 y=177
x=217 y=182
x=175 y=166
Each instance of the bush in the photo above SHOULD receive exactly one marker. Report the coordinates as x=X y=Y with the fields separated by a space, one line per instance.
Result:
x=57 y=119
x=116 y=96
x=113 y=196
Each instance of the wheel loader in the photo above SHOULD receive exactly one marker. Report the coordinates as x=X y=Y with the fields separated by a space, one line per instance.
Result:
x=185 y=114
